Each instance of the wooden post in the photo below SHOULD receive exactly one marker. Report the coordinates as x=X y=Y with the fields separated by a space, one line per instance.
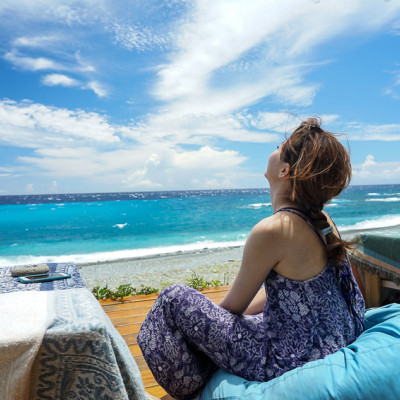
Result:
x=372 y=290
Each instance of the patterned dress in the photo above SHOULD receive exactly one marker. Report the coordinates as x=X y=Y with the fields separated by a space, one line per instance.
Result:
x=186 y=337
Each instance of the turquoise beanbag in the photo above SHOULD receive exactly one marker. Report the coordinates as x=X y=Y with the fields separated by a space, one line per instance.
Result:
x=366 y=369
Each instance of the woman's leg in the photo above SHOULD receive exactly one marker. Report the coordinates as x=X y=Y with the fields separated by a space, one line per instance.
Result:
x=186 y=337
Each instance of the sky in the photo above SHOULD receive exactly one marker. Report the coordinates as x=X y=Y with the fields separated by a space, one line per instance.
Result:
x=130 y=95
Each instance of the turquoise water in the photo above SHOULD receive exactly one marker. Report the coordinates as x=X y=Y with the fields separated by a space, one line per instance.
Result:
x=98 y=227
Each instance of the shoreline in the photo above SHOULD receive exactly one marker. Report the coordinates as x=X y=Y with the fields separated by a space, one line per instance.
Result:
x=161 y=270
x=158 y=270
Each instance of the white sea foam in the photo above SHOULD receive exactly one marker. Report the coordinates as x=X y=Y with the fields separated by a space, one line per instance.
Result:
x=373 y=194
x=120 y=226
x=386 y=221
x=332 y=205
x=258 y=205
x=338 y=200
x=385 y=199
x=118 y=255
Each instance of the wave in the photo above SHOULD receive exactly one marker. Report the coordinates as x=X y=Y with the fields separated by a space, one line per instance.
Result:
x=120 y=226
x=373 y=194
x=389 y=199
x=258 y=205
x=119 y=255
x=387 y=221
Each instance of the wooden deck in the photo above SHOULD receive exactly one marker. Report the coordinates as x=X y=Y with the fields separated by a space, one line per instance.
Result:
x=127 y=317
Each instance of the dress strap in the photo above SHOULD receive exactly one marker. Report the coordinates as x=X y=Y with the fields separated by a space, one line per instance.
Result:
x=305 y=217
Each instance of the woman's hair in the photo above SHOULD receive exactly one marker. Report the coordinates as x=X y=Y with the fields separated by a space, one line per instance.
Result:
x=320 y=169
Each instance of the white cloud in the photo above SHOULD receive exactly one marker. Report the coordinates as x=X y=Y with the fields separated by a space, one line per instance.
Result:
x=83 y=64
x=363 y=132
x=197 y=128
x=36 y=41
x=373 y=172
x=34 y=125
x=43 y=63
x=138 y=37
x=395 y=28
x=141 y=167
x=275 y=42
x=29 y=188
x=80 y=12
x=97 y=88
x=279 y=122
x=66 y=81
x=394 y=91
x=86 y=147
x=59 y=79
x=207 y=158
x=369 y=161
x=32 y=63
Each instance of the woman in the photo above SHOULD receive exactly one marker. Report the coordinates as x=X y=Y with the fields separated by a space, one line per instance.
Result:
x=310 y=303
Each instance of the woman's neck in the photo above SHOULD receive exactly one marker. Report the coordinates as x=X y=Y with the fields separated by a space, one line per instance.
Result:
x=280 y=198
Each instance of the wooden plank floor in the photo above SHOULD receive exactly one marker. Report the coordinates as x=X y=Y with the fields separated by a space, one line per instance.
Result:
x=127 y=317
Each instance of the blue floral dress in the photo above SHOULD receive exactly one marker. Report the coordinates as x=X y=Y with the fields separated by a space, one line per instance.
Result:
x=186 y=337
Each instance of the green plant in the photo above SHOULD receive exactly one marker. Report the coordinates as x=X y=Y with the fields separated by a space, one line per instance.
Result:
x=146 y=290
x=123 y=291
x=197 y=282
x=102 y=293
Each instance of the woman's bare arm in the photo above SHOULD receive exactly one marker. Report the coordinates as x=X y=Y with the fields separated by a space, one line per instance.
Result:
x=257 y=304
x=261 y=253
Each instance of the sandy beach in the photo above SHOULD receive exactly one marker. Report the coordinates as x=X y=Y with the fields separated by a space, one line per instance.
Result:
x=160 y=271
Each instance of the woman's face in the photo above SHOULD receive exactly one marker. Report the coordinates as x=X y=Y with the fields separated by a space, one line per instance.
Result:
x=275 y=165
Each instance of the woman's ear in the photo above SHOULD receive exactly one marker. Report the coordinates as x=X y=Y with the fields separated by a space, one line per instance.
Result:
x=285 y=169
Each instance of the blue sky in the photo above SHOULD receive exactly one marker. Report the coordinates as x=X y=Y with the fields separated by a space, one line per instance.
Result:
x=101 y=96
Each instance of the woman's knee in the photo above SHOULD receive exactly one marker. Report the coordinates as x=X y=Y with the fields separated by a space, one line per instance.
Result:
x=175 y=290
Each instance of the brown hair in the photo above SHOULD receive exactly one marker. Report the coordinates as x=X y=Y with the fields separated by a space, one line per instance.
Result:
x=320 y=169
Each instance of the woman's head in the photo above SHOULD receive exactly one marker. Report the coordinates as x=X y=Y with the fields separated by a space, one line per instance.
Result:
x=319 y=169
x=320 y=165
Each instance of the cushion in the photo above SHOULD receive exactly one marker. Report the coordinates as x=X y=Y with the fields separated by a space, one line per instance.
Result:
x=366 y=369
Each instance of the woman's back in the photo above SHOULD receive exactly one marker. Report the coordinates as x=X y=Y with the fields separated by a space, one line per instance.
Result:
x=305 y=252
x=306 y=315
x=307 y=319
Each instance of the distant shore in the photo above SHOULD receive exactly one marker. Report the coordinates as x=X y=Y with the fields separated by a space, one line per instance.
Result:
x=159 y=271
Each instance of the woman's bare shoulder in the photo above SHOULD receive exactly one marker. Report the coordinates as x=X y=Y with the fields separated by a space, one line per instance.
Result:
x=276 y=223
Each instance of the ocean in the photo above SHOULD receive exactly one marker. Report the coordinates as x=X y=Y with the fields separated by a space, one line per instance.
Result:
x=87 y=228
